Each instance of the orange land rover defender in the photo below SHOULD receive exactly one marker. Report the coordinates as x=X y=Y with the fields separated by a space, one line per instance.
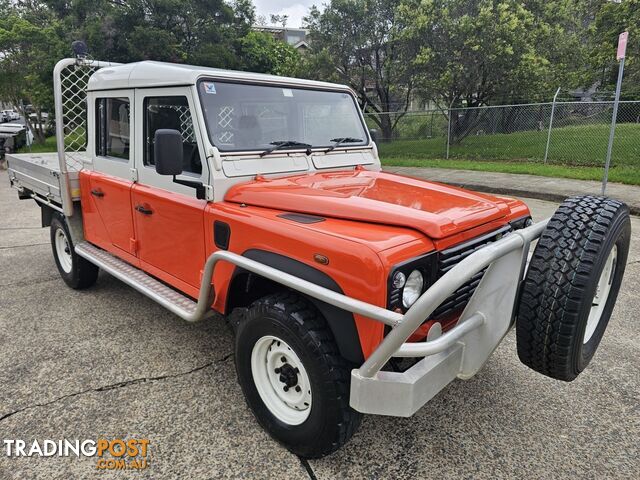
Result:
x=349 y=290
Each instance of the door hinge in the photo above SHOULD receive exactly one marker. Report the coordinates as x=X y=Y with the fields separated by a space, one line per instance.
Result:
x=134 y=174
x=133 y=246
x=208 y=193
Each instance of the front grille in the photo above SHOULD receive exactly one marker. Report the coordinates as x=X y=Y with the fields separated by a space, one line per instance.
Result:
x=450 y=257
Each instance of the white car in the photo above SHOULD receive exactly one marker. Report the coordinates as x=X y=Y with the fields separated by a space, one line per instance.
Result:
x=10 y=115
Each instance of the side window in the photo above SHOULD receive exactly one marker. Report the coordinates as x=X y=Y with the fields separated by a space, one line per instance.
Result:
x=171 y=112
x=112 y=127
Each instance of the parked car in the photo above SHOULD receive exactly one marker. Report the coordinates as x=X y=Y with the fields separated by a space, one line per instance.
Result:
x=262 y=198
x=11 y=115
x=3 y=117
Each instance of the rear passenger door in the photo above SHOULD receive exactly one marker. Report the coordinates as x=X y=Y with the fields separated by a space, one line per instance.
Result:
x=168 y=217
x=107 y=202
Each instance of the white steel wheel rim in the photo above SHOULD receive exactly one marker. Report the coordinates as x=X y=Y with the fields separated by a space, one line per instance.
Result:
x=63 y=250
x=273 y=360
x=603 y=289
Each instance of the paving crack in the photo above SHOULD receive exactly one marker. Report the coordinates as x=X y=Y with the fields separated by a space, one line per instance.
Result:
x=118 y=385
x=20 y=228
x=23 y=246
x=29 y=282
x=307 y=466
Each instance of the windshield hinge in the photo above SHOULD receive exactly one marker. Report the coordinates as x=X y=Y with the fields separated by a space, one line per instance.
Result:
x=133 y=174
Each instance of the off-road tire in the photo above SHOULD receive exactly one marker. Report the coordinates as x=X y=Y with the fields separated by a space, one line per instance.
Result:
x=560 y=285
x=83 y=274
x=331 y=421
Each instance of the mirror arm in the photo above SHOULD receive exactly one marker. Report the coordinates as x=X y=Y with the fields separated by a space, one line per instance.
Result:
x=200 y=190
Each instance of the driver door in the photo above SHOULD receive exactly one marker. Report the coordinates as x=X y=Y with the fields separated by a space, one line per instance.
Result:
x=168 y=218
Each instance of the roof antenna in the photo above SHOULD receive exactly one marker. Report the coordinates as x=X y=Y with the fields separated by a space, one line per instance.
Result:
x=79 y=49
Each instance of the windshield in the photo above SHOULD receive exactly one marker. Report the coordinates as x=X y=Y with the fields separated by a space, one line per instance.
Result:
x=243 y=117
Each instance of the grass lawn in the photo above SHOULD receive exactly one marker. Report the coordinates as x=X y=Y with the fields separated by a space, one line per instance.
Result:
x=49 y=145
x=575 y=152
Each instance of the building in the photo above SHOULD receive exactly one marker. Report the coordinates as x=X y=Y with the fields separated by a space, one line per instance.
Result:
x=296 y=37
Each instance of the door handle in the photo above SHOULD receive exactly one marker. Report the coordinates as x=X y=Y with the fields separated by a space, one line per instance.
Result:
x=97 y=193
x=144 y=210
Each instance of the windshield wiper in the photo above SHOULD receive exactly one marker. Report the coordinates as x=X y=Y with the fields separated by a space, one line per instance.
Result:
x=284 y=143
x=340 y=141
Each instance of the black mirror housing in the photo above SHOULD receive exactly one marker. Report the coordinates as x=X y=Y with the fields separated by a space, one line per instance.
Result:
x=167 y=151
x=374 y=134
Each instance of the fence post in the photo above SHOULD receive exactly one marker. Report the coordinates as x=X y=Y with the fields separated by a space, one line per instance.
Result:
x=553 y=109
x=449 y=128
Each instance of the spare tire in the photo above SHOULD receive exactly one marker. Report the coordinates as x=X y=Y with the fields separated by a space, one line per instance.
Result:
x=571 y=285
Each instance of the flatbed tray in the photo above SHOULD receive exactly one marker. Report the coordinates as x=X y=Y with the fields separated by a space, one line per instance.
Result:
x=39 y=173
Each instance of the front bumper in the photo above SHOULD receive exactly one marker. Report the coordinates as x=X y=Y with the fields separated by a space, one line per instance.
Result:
x=462 y=351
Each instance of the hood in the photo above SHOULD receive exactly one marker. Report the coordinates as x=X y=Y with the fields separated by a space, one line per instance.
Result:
x=434 y=209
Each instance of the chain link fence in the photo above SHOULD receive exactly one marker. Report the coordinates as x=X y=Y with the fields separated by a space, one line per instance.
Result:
x=560 y=133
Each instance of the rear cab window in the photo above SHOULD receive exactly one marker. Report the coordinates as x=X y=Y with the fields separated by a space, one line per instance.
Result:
x=113 y=127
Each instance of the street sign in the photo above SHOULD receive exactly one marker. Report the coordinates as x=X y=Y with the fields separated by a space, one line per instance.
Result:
x=622 y=45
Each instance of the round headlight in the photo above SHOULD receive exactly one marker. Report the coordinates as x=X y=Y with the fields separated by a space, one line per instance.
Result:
x=398 y=280
x=412 y=288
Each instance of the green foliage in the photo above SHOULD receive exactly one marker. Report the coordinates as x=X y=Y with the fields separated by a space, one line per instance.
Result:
x=611 y=20
x=35 y=34
x=360 y=43
x=260 y=52
x=474 y=52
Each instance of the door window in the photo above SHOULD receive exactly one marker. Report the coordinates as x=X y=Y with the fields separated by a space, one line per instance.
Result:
x=173 y=113
x=112 y=125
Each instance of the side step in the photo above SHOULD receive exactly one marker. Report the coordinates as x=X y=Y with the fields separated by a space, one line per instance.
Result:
x=172 y=300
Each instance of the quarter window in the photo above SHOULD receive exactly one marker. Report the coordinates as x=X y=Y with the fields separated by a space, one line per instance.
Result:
x=172 y=113
x=112 y=127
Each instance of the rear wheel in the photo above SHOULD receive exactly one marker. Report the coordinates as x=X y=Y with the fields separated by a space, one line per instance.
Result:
x=77 y=272
x=293 y=378
x=572 y=284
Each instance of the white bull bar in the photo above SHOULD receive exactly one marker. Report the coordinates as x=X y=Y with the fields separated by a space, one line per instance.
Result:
x=462 y=351
x=459 y=353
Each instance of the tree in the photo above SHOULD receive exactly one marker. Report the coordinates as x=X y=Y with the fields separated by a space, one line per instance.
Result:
x=280 y=20
x=361 y=44
x=260 y=52
x=472 y=52
x=31 y=39
x=611 y=20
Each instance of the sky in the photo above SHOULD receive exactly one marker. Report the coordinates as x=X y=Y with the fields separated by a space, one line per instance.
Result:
x=296 y=9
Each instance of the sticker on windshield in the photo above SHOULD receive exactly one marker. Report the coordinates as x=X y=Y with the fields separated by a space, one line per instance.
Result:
x=209 y=87
x=287 y=92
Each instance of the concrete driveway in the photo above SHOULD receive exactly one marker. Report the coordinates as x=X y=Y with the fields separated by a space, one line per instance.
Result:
x=108 y=362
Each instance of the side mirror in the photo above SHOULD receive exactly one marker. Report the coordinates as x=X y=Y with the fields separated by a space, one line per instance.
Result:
x=374 y=134
x=167 y=151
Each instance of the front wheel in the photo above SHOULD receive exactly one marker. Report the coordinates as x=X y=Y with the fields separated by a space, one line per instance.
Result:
x=293 y=378
x=77 y=272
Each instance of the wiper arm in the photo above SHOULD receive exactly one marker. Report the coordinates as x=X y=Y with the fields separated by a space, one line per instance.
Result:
x=340 y=141
x=284 y=143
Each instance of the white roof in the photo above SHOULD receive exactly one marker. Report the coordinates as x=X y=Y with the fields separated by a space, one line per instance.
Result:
x=161 y=74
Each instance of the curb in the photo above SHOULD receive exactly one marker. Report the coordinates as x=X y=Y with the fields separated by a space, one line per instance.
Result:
x=552 y=197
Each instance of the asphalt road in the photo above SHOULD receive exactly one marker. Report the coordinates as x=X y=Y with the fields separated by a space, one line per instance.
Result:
x=108 y=362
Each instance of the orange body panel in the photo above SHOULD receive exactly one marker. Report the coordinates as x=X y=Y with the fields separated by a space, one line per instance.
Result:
x=171 y=239
x=107 y=219
x=435 y=209
x=372 y=221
